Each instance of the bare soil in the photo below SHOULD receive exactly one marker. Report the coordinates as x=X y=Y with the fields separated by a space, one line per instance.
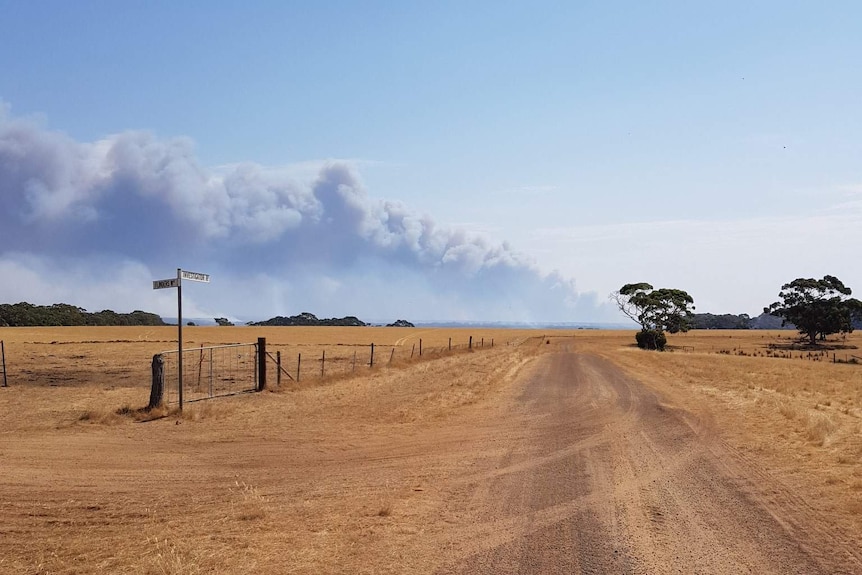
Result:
x=533 y=458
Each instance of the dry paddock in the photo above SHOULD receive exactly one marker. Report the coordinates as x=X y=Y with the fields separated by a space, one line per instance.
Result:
x=356 y=473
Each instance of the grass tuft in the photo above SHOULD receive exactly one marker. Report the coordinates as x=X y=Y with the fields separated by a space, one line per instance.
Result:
x=100 y=417
x=819 y=428
x=164 y=558
x=248 y=503
x=385 y=511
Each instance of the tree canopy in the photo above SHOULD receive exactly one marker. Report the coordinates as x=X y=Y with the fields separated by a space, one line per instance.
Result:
x=720 y=321
x=817 y=308
x=61 y=314
x=655 y=310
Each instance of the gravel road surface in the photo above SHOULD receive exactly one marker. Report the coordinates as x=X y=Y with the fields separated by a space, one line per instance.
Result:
x=601 y=477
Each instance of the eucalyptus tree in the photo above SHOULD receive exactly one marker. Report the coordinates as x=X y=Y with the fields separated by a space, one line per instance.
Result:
x=656 y=311
x=817 y=308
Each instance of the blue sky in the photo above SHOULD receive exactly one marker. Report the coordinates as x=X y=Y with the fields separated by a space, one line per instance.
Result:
x=444 y=160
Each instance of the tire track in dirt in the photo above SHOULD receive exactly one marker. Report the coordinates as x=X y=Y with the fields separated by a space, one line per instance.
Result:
x=413 y=335
x=605 y=478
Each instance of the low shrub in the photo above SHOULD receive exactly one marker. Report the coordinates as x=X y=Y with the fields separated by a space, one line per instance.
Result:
x=651 y=339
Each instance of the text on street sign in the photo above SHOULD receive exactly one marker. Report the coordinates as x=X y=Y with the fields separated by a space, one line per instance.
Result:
x=195 y=276
x=168 y=283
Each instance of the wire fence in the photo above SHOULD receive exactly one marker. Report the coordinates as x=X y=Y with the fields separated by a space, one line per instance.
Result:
x=823 y=355
x=315 y=361
x=211 y=371
x=222 y=370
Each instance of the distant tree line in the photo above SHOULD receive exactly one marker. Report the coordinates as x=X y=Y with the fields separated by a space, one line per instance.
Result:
x=60 y=314
x=309 y=319
x=741 y=321
x=721 y=321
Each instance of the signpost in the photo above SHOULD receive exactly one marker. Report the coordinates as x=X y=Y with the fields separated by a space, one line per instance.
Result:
x=177 y=282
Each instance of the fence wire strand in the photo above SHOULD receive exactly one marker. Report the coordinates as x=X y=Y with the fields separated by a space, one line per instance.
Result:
x=211 y=371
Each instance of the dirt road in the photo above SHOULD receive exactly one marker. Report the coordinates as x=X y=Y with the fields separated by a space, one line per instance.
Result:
x=606 y=479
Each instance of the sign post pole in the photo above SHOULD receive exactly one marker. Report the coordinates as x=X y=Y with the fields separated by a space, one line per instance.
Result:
x=180 y=335
x=178 y=283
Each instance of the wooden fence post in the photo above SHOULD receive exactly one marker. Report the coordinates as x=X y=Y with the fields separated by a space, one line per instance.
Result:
x=470 y=345
x=298 y=364
x=371 y=363
x=323 y=364
x=200 y=366
x=412 y=350
x=354 y=360
x=261 y=363
x=157 y=390
x=391 y=355
x=420 y=347
x=278 y=366
x=3 y=355
x=450 y=344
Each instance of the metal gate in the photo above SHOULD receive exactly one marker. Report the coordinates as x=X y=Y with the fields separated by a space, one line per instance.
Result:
x=211 y=371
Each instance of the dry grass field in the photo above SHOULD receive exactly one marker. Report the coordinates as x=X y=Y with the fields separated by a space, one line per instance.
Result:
x=355 y=473
x=801 y=416
x=119 y=356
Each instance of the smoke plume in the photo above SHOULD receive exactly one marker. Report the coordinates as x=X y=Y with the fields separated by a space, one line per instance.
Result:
x=75 y=216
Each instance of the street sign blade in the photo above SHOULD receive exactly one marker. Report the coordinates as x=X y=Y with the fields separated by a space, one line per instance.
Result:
x=195 y=276
x=168 y=283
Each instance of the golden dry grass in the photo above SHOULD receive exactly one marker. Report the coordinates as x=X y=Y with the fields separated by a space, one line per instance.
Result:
x=119 y=356
x=324 y=476
x=803 y=416
x=247 y=484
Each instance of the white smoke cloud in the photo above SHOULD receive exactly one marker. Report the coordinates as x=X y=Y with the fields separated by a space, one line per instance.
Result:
x=146 y=204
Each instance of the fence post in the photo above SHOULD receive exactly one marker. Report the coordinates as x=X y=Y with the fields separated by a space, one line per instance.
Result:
x=212 y=380
x=298 y=364
x=450 y=344
x=371 y=364
x=278 y=365
x=483 y=342
x=412 y=350
x=470 y=345
x=261 y=363
x=391 y=355
x=354 y=360
x=323 y=364
x=420 y=347
x=200 y=366
x=157 y=390
x=3 y=354
x=492 y=342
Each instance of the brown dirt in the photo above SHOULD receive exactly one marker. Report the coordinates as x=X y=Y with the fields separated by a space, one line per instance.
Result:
x=607 y=478
x=530 y=458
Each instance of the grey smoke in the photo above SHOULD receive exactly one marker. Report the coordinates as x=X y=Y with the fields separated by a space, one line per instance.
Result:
x=135 y=196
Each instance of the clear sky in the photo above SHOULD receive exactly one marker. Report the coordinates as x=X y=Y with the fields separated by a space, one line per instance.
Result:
x=445 y=160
